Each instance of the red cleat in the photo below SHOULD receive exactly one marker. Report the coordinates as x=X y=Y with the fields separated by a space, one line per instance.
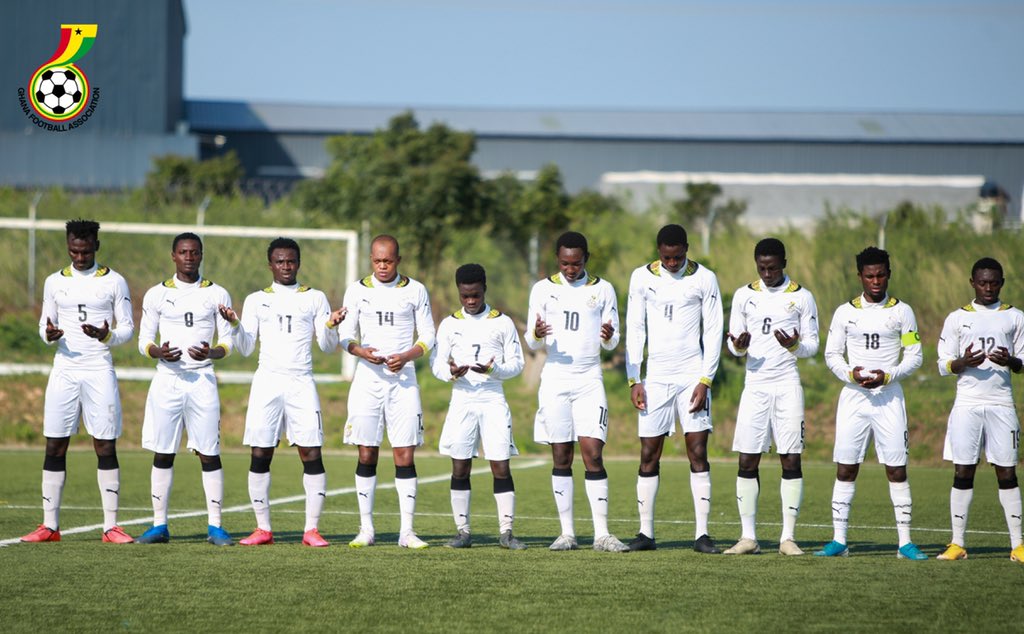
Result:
x=42 y=534
x=116 y=535
x=259 y=537
x=312 y=538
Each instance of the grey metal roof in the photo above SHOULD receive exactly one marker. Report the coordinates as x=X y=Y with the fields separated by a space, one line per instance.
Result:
x=873 y=127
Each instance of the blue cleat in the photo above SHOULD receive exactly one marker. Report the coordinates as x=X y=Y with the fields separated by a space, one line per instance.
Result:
x=155 y=535
x=833 y=549
x=218 y=536
x=910 y=551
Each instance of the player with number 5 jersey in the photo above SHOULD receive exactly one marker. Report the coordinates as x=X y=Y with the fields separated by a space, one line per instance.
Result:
x=865 y=341
x=574 y=315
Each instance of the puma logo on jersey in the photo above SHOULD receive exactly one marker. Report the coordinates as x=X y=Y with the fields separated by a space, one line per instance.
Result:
x=169 y=301
x=265 y=305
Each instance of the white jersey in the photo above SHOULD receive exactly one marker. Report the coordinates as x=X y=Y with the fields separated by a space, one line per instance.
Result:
x=72 y=298
x=389 y=316
x=185 y=314
x=680 y=316
x=987 y=328
x=871 y=336
x=761 y=310
x=575 y=311
x=471 y=339
x=285 y=319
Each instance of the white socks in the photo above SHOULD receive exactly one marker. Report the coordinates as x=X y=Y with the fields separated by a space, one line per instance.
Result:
x=1010 y=499
x=792 y=493
x=842 y=498
x=747 y=490
x=53 y=489
x=646 y=492
x=160 y=481
x=899 y=493
x=959 y=506
x=406 y=488
x=109 y=481
x=315 y=486
x=597 y=493
x=506 y=502
x=460 y=509
x=213 y=487
x=366 y=488
x=259 y=495
x=562 y=487
x=700 y=488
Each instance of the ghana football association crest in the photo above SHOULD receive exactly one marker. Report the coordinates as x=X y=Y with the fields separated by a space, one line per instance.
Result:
x=58 y=97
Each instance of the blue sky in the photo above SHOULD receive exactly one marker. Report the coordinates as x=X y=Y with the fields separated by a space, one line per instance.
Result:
x=901 y=55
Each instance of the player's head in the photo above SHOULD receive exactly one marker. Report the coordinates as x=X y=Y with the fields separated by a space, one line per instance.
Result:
x=770 y=259
x=672 y=247
x=987 y=280
x=83 y=242
x=874 y=272
x=384 y=257
x=284 y=258
x=572 y=255
x=471 y=280
x=187 y=254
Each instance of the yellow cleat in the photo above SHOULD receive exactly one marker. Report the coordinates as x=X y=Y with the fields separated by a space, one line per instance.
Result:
x=953 y=553
x=1017 y=554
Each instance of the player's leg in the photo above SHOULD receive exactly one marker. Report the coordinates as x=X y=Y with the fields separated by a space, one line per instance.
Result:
x=213 y=489
x=403 y=416
x=752 y=437
x=853 y=432
x=263 y=419
x=161 y=434
x=892 y=444
x=161 y=477
x=647 y=482
x=365 y=429
x=791 y=491
x=505 y=500
x=700 y=489
x=54 y=477
x=202 y=422
x=60 y=421
x=553 y=425
x=460 y=494
x=1002 y=437
x=788 y=430
x=366 y=489
x=1009 y=498
x=101 y=413
x=964 y=434
x=495 y=430
x=590 y=419
x=314 y=483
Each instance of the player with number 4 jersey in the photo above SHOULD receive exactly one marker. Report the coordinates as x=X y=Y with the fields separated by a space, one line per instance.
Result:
x=865 y=341
x=981 y=344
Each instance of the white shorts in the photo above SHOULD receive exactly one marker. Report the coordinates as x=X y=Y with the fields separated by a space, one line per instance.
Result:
x=668 y=402
x=92 y=394
x=376 y=403
x=860 y=415
x=568 y=409
x=768 y=412
x=186 y=400
x=478 y=418
x=973 y=427
x=283 y=404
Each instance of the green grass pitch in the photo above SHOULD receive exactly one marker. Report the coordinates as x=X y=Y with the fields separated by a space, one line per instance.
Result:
x=81 y=584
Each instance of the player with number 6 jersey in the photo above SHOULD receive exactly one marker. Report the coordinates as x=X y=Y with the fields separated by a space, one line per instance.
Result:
x=390 y=326
x=865 y=341
x=285 y=317
x=574 y=315
x=981 y=344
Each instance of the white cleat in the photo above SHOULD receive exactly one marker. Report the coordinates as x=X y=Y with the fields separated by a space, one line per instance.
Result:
x=411 y=541
x=609 y=544
x=362 y=540
x=745 y=546
x=564 y=542
x=790 y=549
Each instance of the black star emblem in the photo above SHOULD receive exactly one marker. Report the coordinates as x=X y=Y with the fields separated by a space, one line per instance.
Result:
x=78 y=31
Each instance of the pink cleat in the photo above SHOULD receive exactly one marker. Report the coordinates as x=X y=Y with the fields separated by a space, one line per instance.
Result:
x=42 y=534
x=312 y=538
x=116 y=535
x=259 y=537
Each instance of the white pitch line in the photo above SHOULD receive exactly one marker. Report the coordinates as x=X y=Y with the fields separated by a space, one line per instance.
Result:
x=285 y=500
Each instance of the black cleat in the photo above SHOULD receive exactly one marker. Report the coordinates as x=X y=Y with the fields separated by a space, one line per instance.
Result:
x=642 y=542
x=706 y=545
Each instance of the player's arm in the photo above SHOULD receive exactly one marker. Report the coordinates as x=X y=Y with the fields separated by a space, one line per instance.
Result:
x=124 y=323
x=425 y=335
x=150 y=324
x=711 y=320
x=835 y=347
x=440 y=356
x=807 y=345
x=636 y=329
x=225 y=330
x=1004 y=357
x=610 y=319
x=738 y=337
x=536 y=328
x=910 y=339
x=950 y=360
x=511 y=362
x=325 y=324
x=49 y=320
x=248 y=327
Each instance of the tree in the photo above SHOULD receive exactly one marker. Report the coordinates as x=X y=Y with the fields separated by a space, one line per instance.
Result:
x=699 y=203
x=184 y=180
x=417 y=184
